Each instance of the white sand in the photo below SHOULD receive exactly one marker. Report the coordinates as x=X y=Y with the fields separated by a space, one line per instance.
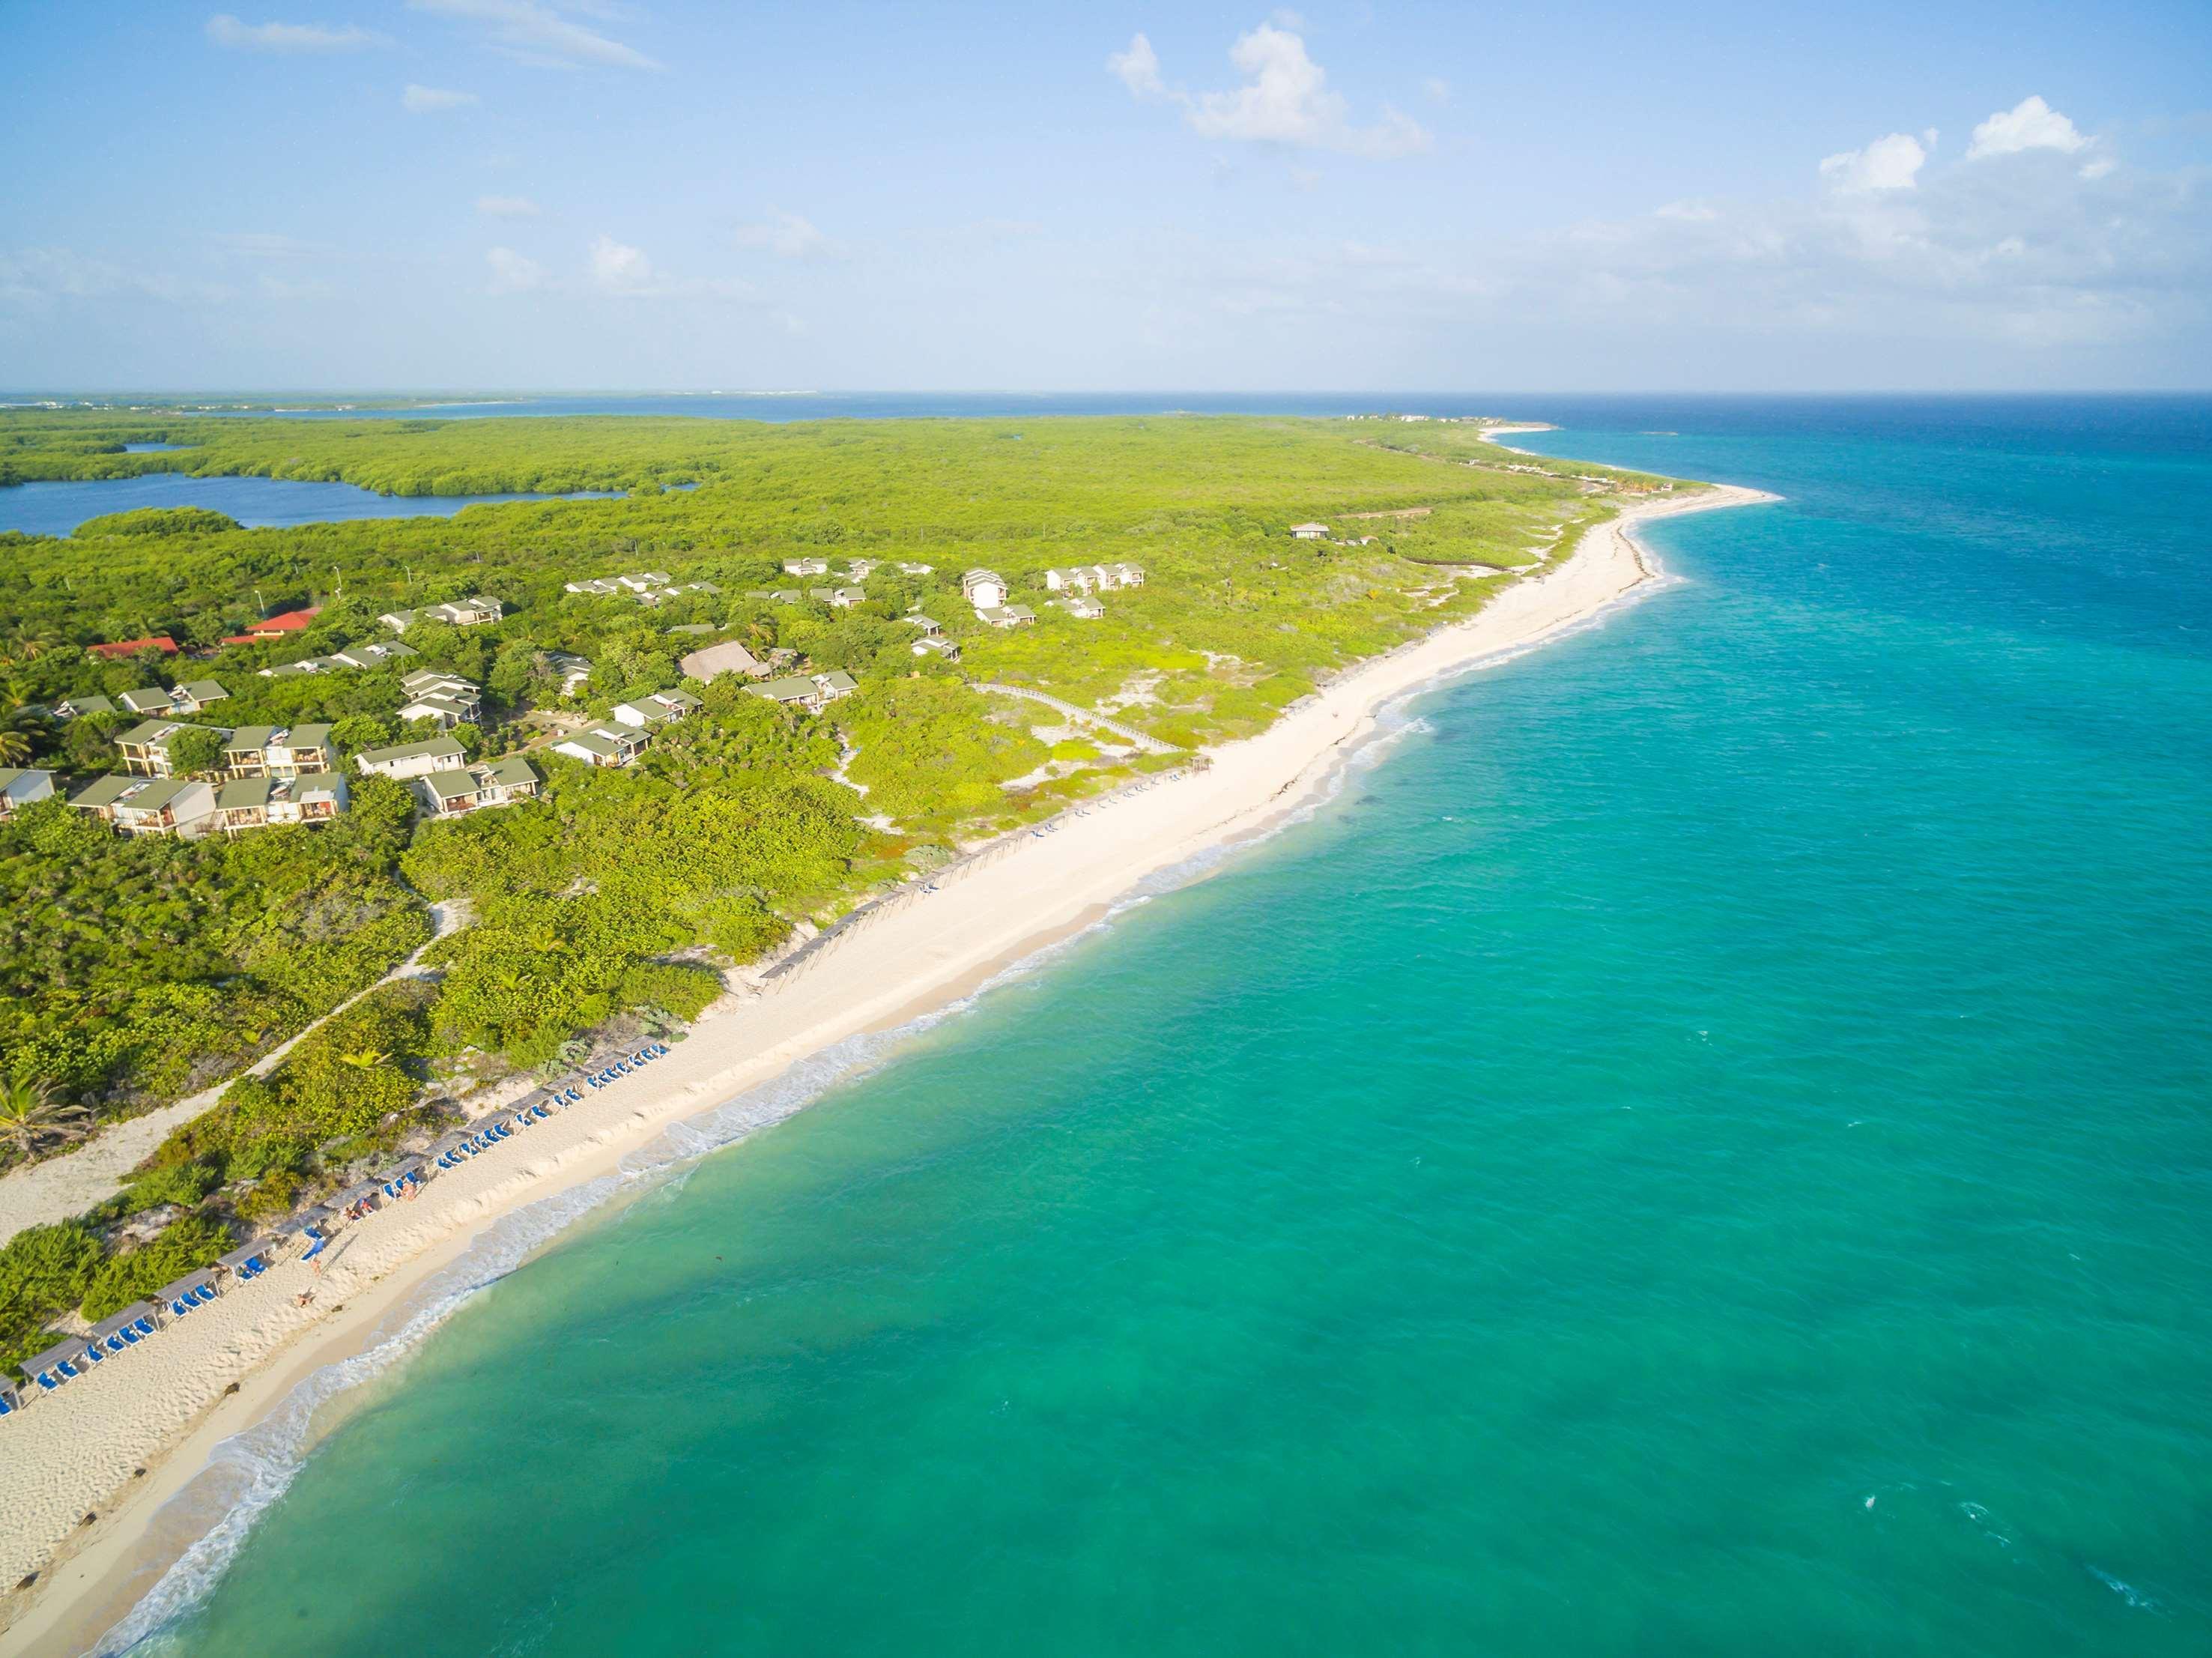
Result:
x=162 y=1406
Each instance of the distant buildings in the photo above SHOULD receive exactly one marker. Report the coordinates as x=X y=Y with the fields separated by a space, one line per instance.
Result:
x=276 y=627
x=916 y=569
x=187 y=699
x=936 y=644
x=75 y=708
x=571 y=671
x=390 y=654
x=461 y=613
x=161 y=642
x=1083 y=607
x=1006 y=615
x=806 y=567
x=20 y=786
x=1311 y=532
x=729 y=657
x=451 y=793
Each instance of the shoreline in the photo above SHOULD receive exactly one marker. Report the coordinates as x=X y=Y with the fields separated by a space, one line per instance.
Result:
x=124 y=1440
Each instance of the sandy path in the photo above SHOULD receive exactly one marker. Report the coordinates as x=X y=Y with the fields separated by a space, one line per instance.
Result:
x=74 y=1452
x=62 y=1186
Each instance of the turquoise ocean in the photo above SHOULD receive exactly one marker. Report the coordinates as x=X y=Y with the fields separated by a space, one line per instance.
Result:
x=1703 y=1145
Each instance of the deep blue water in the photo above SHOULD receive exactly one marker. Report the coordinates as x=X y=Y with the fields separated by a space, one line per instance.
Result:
x=1706 y=1148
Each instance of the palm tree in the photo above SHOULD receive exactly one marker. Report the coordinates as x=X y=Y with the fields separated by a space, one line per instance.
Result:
x=30 y=1116
x=14 y=745
x=364 y=1059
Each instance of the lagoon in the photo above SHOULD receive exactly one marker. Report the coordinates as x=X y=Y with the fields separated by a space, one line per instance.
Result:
x=57 y=509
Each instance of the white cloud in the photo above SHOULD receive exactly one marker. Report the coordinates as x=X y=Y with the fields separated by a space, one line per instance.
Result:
x=227 y=31
x=787 y=236
x=506 y=207
x=625 y=273
x=1435 y=90
x=1139 y=69
x=430 y=101
x=1284 y=99
x=1890 y=163
x=35 y=279
x=532 y=33
x=618 y=268
x=2031 y=124
x=512 y=274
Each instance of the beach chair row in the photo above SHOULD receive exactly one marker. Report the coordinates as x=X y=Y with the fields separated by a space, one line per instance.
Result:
x=66 y=1360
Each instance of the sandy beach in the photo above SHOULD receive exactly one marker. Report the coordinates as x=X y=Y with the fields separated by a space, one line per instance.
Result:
x=90 y=1466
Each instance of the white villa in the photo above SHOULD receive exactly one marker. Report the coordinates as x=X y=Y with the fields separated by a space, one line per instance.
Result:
x=806 y=567
x=1082 y=606
x=412 y=760
x=1006 y=615
x=799 y=691
x=604 y=745
x=986 y=589
x=1311 y=532
x=388 y=654
x=658 y=708
x=145 y=748
x=936 y=644
x=571 y=670
x=278 y=751
x=447 y=698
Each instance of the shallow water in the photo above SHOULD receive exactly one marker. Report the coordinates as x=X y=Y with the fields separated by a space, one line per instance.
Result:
x=56 y=507
x=1703 y=1148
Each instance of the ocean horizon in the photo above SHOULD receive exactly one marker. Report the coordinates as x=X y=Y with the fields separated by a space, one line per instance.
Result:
x=1699 y=1145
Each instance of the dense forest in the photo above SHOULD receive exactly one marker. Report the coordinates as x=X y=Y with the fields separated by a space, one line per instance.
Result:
x=137 y=972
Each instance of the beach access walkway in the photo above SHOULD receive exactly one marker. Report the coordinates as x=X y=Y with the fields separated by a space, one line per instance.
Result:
x=1126 y=733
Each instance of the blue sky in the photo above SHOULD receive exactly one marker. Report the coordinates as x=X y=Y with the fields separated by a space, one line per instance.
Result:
x=569 y=195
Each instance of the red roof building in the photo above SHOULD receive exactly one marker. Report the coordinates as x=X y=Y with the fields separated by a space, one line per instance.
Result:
x=161 y=642
x=277 y=627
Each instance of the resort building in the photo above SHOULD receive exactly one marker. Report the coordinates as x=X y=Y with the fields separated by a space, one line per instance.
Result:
x=835 y=684
x=470 y=789
x=930 y=627
x=412 y=760
x=244 y=803
x=278 y=751
x=603 y=745
x=860 y=569
x=571 y=671
x=388 y=654
x=986 y=589
x=845 y=598
x=658 y=708
x=1006 y=615
x=936 y=644
x=792 y=691
x=144 y=702
x=1080 y=579
x=307 y=665
x=1311 y=532
x=729 y=657
x=145 y=748
x=1082 y=606
x=20 y=786
x=806 y=567
x=916 y=569
x=194 y=695
x=280 y=626
x=184 y=806
x=446 y=698
x=161 y=642
x=75 y=708
x=1118 y=575
x=461 y=613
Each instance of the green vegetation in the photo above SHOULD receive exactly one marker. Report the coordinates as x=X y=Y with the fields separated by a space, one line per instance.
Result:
x=139 y=971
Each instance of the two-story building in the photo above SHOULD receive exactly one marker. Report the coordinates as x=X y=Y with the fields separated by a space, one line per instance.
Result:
x=447 y=698
x=145 y=747
x=184 y=806
x=259 y=803
x=1006 y=615
x=412 y=760
x=476 y=788
x=986 y=589
x=389 y=653
x=278 y=751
